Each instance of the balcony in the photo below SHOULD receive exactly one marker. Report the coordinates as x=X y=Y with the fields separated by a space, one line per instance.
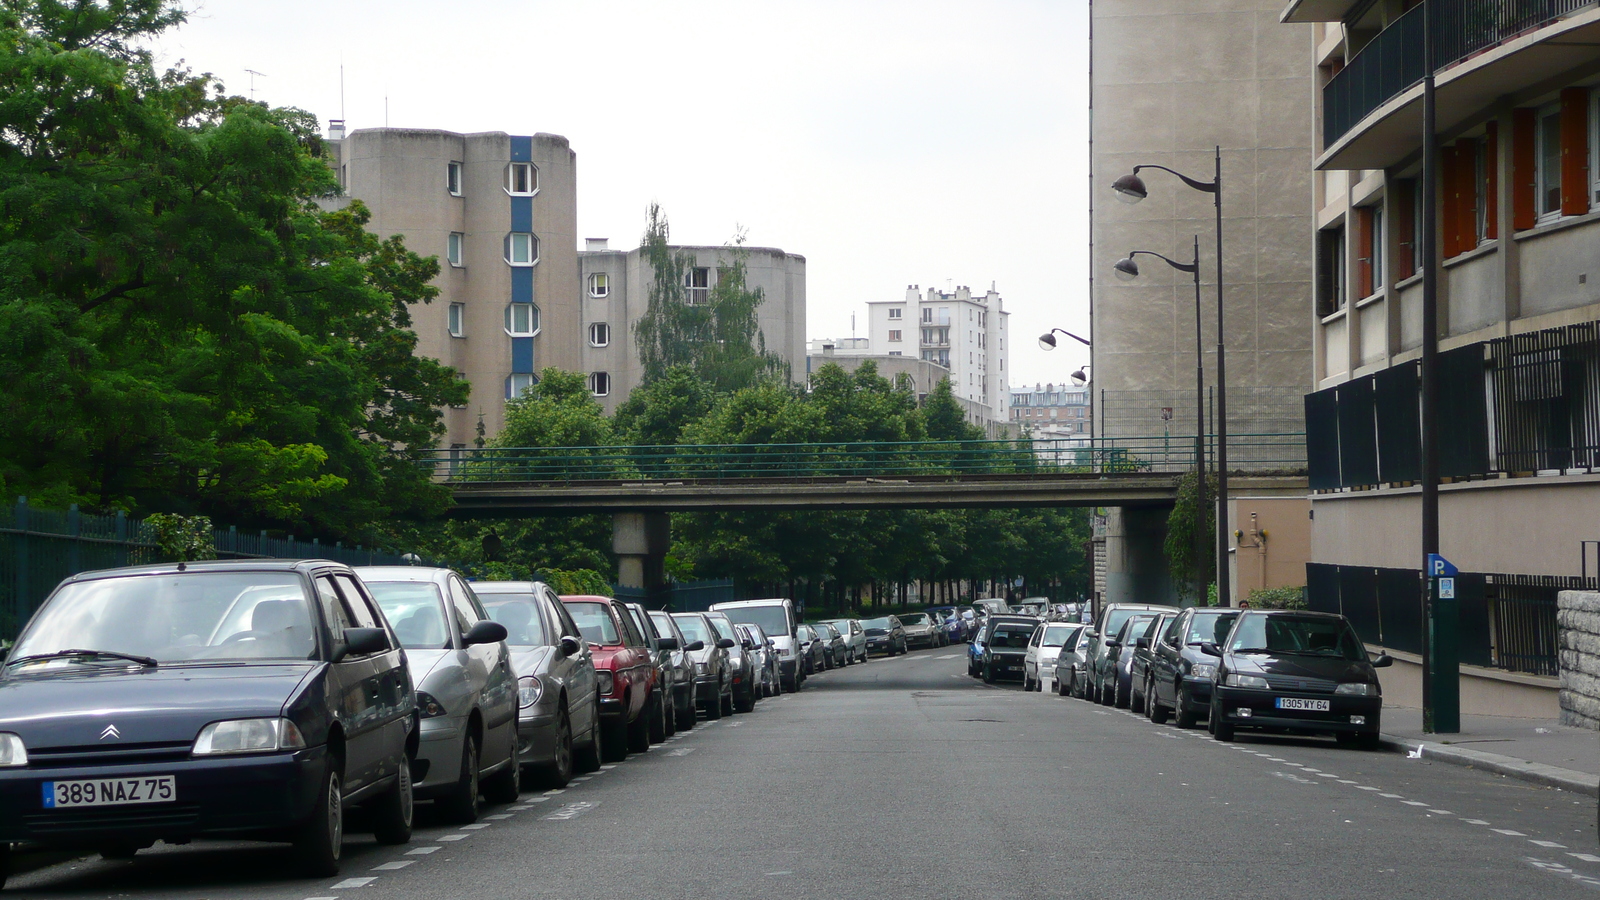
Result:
x=1483 y=50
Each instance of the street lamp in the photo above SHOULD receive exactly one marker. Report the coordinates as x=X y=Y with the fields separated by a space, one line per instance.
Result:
x=1127 y=269
x=1047 y=341
x=1130 y=188
x=1081 y=377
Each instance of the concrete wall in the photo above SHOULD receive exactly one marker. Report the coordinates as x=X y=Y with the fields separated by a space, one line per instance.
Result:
x=1484 y=692
x=1135 y=559
x=1270 y=543
x=1578 y=618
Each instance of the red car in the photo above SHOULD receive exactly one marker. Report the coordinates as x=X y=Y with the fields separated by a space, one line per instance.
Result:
x=626 y=672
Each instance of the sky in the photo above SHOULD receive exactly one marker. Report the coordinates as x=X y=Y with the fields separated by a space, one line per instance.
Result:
x=890 y=143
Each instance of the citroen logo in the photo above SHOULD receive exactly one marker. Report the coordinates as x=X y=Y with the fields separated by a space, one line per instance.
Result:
x=111 y=732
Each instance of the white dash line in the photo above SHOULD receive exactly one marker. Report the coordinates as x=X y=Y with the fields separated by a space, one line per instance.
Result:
x=1508 y=832
x=354 y=883
x=391 y=866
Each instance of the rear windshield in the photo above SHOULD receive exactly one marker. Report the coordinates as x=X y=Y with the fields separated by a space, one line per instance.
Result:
x=1057 y=635
x=519 y=613
x=663 y=623
x=1295 y=636
x=693 y=628
x=913 y=619
x=415 y=610
x=772 y=619
x=1007 y=635
x=1213 y=627
x=594 y=622
x=722 y=626
x=879 y=624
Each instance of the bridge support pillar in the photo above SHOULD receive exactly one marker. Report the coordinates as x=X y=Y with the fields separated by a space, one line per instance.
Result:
x=640 y=540
x=1136 y=559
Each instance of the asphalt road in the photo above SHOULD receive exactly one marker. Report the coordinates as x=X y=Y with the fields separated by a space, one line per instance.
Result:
x=904 y=778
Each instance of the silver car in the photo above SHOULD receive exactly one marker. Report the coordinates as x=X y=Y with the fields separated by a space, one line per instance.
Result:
x=713 y=683
x=1072 y=665
x=558 y=715
x=855 y=638
x=921 y=630
x=1039 y=665
x=763 y=656
x=466 y=688
x=684 y=702
x=741 y=666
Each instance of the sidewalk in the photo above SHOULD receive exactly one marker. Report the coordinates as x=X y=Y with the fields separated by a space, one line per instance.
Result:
x=1541 y=751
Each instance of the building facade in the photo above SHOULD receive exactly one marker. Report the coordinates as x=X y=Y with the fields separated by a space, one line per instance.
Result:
x=500 y=213
x=960 y=331
x=1053 y=411
x=1517 y=210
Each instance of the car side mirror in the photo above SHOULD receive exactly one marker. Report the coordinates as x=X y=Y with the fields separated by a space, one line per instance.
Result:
x=1382 y=661
x=1209 y=648
x=1113 y=645
x=1142 y=643
x=569 y=645
x=667 y=643
x=725 y=643
x=361 y=642
x=487 y=631
x=749 y=644
x=695 y=646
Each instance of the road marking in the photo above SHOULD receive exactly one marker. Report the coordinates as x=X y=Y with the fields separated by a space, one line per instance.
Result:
x=421 y=851
x=553 y=791
x=537 y=800
x=454 y=837
x=1393 y=796
x=475 y=827
x=1551 y=844
x=681 y=751
x=391 y=866
x=583 y=778
x=1475 y=821
x=1586 y=857
x=608 y=767
x=571 y=811
x=1348 y=781
x=1413 y=803
x=1507 y=832
x=785 y=872
x=1367 y=787
x=354 y=883
x=1441 y=812
x=499 y=817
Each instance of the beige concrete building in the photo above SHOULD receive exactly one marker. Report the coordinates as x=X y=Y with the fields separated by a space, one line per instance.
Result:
x=963 y=332
x=500 y=213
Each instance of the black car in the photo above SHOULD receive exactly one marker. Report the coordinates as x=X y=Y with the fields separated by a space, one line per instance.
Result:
x=1295 y=671
x=1179 y=680
x=1139 y=661
x=885 y=634
x=1115 y=687
x=1005 y=643
x=1112 y=617
x=248 y=699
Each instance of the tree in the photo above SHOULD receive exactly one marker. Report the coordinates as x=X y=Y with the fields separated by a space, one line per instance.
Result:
x=947 y=421
x=657 y=412
x=1190 y=511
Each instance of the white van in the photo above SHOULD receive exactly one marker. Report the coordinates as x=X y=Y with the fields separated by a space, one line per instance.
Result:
x=777 y=618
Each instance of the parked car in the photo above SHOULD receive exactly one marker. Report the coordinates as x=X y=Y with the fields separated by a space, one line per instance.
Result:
x=236 y=699
x=1180 y=674
x=1140 y=659
x=1004 y=646
x=1029 y=608
x=1116 y=685
x=951 y=623
x=1112 y=617
x=855 y=638
x=810 y=644
x=558 y=703
x=975 y=648
x=837 y=652
x=684 y=702
x=625 y=672
x=777 y=618
x=466 y=688
x=991 y=606
x=665 y=724
x=713 y=683
x=922 y=630
x=1039 y=663
x=759 y=646
x=741 y=666
x=1072 y=664
x=884 y=634
x=1297 y=671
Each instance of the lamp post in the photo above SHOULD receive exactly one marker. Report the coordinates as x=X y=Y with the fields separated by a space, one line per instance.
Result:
x=1126 y=269
x=1130 y=189
x=1047 y=341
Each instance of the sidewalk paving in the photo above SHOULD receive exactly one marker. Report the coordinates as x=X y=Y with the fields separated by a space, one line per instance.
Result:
x=1542 y=751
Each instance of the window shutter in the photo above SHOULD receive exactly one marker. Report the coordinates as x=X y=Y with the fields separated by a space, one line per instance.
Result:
x=1363 y=248
x=1467 y=193
x=1524 y=169
x=1450 y=215
x=1574 y=151
x=1405 y=212
x=1491 y=190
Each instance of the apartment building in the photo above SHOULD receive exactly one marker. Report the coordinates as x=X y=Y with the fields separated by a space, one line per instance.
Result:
x=963 y=332
x=500 y=213
x=1053 y=411
x=1518 y=240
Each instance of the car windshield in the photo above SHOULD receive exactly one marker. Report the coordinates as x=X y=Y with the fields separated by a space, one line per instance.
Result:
x=1297 y=636
x=1011 y=635
x=880 y=624
x=519 y=613
x=1057 y=635
x=913 y=619
x=828 y=632
x=663 y=623
x=594 y=622
x=840 y=625
x=694 y=629
x=724 y=629
x=805 y=633
x=1115 y=620
x=416 y=611
x=176 y=618
x=772 y=619
x=1211 y=627
x=1135 y=626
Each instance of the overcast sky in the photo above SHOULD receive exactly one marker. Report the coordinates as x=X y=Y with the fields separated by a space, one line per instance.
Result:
x=890 y=143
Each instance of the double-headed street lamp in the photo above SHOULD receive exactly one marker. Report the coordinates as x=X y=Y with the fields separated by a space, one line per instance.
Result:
x=1130 y=189
x=1047 y=341
x=1127 y=269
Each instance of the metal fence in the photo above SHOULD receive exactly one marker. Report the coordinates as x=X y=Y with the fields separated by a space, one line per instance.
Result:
x=680 y=596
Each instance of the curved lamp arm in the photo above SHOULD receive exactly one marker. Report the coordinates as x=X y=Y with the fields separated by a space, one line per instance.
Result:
x=1209 y=187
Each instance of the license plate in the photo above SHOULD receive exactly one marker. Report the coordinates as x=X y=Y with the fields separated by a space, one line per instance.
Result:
x=109 y=791
x=1309 y=705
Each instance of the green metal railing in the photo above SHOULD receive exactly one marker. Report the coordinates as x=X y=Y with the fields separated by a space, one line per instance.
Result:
x=887 y=459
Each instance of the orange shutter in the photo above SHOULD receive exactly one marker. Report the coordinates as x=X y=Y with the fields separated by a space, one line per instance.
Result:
x=1405 y=220
x=1523 y=170
x=1491 y=191
x=1449 y=161
x=1574 y=151
x=1363 y=248
x=1467 y=193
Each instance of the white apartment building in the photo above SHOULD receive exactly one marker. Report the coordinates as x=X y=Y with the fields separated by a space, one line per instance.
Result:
x=963 y=332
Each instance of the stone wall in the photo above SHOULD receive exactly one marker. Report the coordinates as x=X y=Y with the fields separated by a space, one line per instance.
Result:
x=1578 y=624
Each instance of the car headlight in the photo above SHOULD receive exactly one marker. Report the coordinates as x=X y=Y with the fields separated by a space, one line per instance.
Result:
x=605 y=682
x=1357 y=689
x=1246 y=681
x=529 y=690
x=247 y=736
x=12 y=752
x=429 y=707
x=1203 y=670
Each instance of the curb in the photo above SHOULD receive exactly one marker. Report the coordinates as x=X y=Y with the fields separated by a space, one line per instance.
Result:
x=1509 y=766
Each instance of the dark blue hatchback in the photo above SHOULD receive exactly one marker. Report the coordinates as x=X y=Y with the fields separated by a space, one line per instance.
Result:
x=244 y=699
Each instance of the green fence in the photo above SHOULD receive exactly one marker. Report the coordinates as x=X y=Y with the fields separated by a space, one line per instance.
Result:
x=680 y=596
x=40 y=547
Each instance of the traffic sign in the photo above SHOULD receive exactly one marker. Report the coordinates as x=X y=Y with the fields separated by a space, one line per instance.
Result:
x=1447 y=588
x=1439 y=567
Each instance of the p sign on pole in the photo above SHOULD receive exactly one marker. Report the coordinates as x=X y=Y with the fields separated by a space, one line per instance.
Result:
x=1443 y=665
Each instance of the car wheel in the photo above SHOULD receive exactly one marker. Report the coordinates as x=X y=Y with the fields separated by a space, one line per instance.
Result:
x=559 y=772
x=1222 y=731
x=1136 y=699
x=320 y=840
x=1183 y=706
x=393 y=813
x=988 y=674
x=616 y=740
x=1027 y=685
x=1063 y=688
x=746 y=701
x=669 y=716
x=1121 y=697
x=5 y=863
x=590 y=757
x=685 y=714
x=714 y=705
x=725 y=703
x=639 y=730
x=461 y=804
x=1152 y=702
x=505 y=786
x=658 y=719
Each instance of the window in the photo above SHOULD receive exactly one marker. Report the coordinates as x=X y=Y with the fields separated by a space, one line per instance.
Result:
x=600 y=383
x=1369 y=250
x=452 y=250
x=697 y=281
x=516 y=384
x=1331 y=288
x=895 y=353
x=522 y=319
x=522 y=178
x=927 y=314
x=599 y=334
x=452 y=178
x=1547 y=139
x=453 y=319
x=894 y=336
x=894 y=313
x=522 y=248
x=599 y=285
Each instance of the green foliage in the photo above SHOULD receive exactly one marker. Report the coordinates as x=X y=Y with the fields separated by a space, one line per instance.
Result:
x=577 y=581
x=947 y=421
x=1191 y=512
x=559 y=411
x=182 y=327
x=182 y=538
x=658 y=411
x=1278 y=598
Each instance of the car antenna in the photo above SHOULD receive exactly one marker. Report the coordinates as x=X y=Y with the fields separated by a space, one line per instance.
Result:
x=182 y=566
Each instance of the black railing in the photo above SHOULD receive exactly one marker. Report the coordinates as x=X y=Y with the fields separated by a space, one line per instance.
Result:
x=1392 y=62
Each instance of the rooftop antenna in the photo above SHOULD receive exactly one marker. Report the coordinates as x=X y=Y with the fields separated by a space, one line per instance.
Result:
x=341 y=91
x=253 y=74
x=852 y=326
